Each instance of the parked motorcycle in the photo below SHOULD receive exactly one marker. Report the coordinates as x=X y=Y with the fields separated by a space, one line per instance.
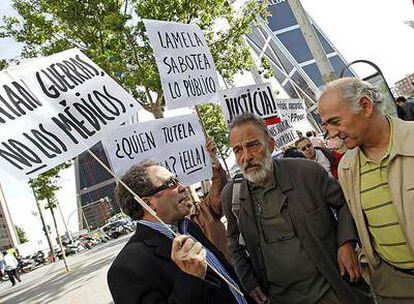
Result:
x=39 y=258
x=25 y=264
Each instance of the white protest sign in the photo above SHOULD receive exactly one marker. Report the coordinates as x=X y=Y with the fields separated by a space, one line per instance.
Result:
x=53 y=108
x=187 y=71
x=283 y=133
x=176 y=143
x=292 y=109
x=257 y=99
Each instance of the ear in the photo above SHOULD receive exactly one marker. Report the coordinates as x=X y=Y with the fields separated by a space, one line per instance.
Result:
x=270 y=143
x=151 y=202
x=367 y=105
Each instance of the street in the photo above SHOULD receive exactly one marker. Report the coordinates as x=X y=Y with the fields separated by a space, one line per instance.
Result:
x=85 y=283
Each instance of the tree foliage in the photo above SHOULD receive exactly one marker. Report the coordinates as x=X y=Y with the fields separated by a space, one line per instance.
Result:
x=21 y=234
x=112 y=34
x=213 y=120
x=3 y=64
x=46 y=184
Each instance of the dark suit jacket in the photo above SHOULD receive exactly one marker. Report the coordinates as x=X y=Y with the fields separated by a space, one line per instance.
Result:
x=307 y=192
x=143 y=272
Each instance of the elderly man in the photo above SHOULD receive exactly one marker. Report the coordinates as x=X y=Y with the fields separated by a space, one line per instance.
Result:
x=154 y=268
x=327 y=158
x=284 y=242
x=377 y=176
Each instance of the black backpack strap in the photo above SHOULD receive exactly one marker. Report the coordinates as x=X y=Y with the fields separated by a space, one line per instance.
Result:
x=235 y=203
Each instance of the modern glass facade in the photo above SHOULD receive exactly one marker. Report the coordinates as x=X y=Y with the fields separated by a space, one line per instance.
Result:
x=280 y=40
x=93 y=183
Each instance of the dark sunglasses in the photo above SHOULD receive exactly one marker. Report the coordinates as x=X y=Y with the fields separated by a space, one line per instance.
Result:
x=308 y=146
x=170 y=183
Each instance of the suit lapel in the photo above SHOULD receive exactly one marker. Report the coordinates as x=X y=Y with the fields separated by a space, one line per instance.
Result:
x=162 y=244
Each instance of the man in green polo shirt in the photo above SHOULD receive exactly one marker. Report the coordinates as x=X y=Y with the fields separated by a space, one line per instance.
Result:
x=377 y=176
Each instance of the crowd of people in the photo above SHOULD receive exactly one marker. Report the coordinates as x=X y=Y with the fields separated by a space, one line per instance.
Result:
x=323 y=224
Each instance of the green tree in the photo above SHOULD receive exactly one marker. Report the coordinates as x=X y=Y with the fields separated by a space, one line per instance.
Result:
x=45 y=187
x=21 y=234
x=212 y=117
x=3 y=64
x=112 y=34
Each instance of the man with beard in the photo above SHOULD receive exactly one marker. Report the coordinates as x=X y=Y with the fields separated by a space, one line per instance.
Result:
x=155 y=267
x=284 y=242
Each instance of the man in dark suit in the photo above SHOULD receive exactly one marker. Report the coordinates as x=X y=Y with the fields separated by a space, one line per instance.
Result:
x=284 y=241
x=155 y=267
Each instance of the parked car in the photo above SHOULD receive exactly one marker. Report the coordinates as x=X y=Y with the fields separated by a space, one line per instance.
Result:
x=117 y=228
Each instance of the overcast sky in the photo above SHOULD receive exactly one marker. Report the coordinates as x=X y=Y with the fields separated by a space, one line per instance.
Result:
x=368 y=29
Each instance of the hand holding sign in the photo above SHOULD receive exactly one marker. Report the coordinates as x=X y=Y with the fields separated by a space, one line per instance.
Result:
x=189 y=255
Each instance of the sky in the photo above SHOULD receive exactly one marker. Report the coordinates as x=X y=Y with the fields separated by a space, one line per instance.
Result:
x=370 y=29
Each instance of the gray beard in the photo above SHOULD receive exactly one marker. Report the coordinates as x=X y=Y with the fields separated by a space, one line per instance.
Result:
x=259 y=176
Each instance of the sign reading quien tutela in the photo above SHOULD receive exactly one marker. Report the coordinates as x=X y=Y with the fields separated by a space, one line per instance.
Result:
x=176 y=143
x=53 y=108
x=187 y=71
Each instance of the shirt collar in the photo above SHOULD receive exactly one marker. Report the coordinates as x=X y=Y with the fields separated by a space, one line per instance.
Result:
x=159 y=227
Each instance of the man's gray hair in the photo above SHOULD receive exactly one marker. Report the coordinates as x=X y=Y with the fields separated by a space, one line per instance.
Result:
x=246 y=118
x=352 y=89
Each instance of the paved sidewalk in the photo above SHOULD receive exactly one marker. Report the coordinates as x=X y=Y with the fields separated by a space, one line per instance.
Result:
x=85 y=283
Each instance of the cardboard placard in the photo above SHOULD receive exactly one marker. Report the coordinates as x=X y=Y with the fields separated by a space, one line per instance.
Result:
x=53 y=108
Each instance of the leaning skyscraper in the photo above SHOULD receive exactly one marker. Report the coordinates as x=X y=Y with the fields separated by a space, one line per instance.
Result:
x=95 y=187
x=279 y=40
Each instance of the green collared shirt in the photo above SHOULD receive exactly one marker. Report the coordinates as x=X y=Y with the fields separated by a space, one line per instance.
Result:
x=291 y=274
x=381 y=215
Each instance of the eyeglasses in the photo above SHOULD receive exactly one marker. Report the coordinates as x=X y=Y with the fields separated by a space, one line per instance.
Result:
x=170 y=183
x=308 y=146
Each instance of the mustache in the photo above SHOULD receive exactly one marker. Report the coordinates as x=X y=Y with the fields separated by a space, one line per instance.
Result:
x=249 y=165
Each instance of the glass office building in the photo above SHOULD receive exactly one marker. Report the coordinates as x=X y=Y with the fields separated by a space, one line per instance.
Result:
x=280 y=40
x=93 y=183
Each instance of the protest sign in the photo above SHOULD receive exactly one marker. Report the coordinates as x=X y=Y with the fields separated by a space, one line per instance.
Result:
x=292 y=109
x=282 y=132
x=187 y=71
x=257 y=99
x=176 y=143
x=53 y=108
